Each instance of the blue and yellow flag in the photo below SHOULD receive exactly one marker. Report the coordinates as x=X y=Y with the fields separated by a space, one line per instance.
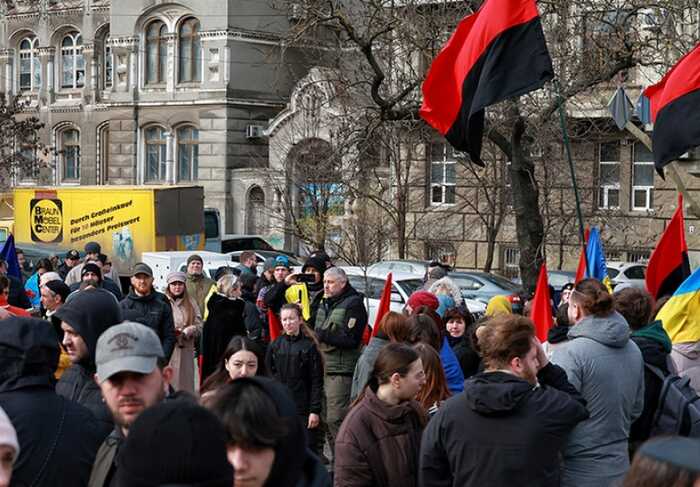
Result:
x=597 y=267
x=681 y=314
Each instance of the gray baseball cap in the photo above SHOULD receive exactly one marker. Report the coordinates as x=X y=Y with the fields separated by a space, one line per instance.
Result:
x=127 y=347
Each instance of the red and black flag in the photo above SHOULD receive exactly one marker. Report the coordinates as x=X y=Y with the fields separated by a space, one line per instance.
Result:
x=674 y=110
x=499 y=52
x=668 y=266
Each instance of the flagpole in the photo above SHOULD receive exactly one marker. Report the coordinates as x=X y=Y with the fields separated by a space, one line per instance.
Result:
x=567 y=145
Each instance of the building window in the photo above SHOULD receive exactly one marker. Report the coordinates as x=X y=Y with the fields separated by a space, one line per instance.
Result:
x=189 y=58
x=108 y=65
x=29 y=65
x=187 y=153
x=255 y=211
x=72 y=62
x=70 y=154
x=510 y=264
x=642 y=178
x=156 y=53
x=27 y=164
x=156 y=148
x=443 y=176
x=609 y=175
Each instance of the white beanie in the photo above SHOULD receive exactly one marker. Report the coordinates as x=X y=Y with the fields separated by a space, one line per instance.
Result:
x=8 y=436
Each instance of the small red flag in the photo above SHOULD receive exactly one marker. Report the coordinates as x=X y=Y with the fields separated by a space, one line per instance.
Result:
x=384 y=303
x=669 y=265
x=541 y=313
x=581 y=269
x=274 y=326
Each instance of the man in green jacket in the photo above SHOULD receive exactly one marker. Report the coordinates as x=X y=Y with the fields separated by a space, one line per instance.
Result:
x=340 y=320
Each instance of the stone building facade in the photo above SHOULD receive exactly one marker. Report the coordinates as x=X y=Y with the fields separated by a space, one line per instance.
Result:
x=153 y=92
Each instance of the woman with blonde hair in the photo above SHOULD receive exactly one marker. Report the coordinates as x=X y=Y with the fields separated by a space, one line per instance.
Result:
x=224 y=321
x=188 y=327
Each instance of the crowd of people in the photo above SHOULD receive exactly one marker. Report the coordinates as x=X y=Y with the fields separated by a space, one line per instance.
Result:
x=277 y=380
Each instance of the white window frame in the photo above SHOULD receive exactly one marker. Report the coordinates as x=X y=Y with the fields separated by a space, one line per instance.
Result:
x=187 y=61
x=75 y=51
x=108 y=65
x=194 y=165
x=605 y=189
x=648 y=190
x=163 y=153
x=34 y=64
x=161 y=42
x=62 y=135
x=444 y=163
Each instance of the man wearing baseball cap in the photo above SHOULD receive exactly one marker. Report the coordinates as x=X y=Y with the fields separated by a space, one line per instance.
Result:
x=133 y=375
x=71 y=260
x=146 y=305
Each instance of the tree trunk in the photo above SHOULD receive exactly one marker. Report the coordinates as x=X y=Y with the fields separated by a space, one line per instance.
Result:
x=528 y=220
x=490 y=249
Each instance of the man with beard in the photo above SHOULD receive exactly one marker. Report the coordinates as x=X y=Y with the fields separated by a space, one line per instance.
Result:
x=522 y=404
x=133 y=375
x=91 y=276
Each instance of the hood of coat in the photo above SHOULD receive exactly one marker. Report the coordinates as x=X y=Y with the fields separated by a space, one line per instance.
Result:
x=495 y=393
x=142 y=299
x=90 y=313
x=655 y=334
x=395 y=415
x=611 y=330
x=28 y=353
x=558 y=334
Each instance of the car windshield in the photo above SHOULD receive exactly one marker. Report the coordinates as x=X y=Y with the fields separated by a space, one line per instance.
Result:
x=557 y=280
x=410 y=286
x=254 y=243
x=612 y=273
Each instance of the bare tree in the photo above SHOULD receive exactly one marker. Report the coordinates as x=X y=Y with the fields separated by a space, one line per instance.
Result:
x=21 y=153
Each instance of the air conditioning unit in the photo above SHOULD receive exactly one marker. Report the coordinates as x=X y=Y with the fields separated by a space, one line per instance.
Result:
x=254 y=131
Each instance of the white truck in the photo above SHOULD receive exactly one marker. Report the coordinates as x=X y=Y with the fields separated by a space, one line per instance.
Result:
x=163 y=263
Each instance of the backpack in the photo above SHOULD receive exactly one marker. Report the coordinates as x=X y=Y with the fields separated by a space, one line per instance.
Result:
x=678 y=410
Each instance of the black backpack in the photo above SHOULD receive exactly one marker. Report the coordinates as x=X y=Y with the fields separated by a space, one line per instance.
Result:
x=678 y=411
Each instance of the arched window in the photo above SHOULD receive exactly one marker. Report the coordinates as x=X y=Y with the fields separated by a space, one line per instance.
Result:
x=156 y=52
x=156 y=149
x=29 y=64
x=189 y=59
x=72 y=63
x=255 y=211
x=187 y=153
x=70 y=155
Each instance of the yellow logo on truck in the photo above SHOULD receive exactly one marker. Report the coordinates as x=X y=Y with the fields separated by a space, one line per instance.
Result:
x=46 y=220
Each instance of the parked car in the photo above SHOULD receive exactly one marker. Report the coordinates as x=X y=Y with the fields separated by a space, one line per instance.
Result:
x=557 y=279
x=627 y=272
x=414 y=267
x=482 y=286
x=403 y=286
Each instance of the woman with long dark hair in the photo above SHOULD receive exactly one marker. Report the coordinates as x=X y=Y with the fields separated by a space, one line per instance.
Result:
x=242 y=358
x=379 y=440
x=188 y=327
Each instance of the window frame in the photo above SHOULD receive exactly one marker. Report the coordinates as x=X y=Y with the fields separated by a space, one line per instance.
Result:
x=34 y=63
x=75 y=52
x=192 y=144
x=648 y=190
x=192 y=62
x=162 y=144
x=443 y=163
x=65 y=155
x=107 y=65
x=603 y=202
x=161 y=46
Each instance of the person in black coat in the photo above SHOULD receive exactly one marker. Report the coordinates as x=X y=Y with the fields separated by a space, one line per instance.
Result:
x=58 y=438
x=84 y=317
x=257 y=331
x=225 y=320
x=636 y=306
x=147 y=306
x=511 y=421
x=92 y=274
x=293 y=359
x=458 y=322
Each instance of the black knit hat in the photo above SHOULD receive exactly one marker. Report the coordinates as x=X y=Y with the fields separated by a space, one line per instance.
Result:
x=176 y=442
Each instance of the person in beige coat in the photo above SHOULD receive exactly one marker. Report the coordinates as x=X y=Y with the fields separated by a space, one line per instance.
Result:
x=188 y=328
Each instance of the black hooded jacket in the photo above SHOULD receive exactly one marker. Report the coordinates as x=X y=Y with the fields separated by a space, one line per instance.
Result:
x=58 y=438
x=224 y=321
x=154 y=311
x=469 y=359
x=89 y=312
x=294 y=465
x=501 y=428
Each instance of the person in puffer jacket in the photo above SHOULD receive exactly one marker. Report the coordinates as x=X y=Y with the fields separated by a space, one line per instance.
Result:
x=294 y=360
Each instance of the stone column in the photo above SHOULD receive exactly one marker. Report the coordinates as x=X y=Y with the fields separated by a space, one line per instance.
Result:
x=6 y=61
x=46 y=92
x=171 y=71
x=169 y=158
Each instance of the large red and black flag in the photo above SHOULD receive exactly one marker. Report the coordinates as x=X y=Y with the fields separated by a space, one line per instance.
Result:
x=674 y=110
x=499 y=52
x=668 y=266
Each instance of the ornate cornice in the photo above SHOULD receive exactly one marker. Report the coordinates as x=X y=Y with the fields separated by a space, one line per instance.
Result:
x=127 y=42
x=240 y=35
